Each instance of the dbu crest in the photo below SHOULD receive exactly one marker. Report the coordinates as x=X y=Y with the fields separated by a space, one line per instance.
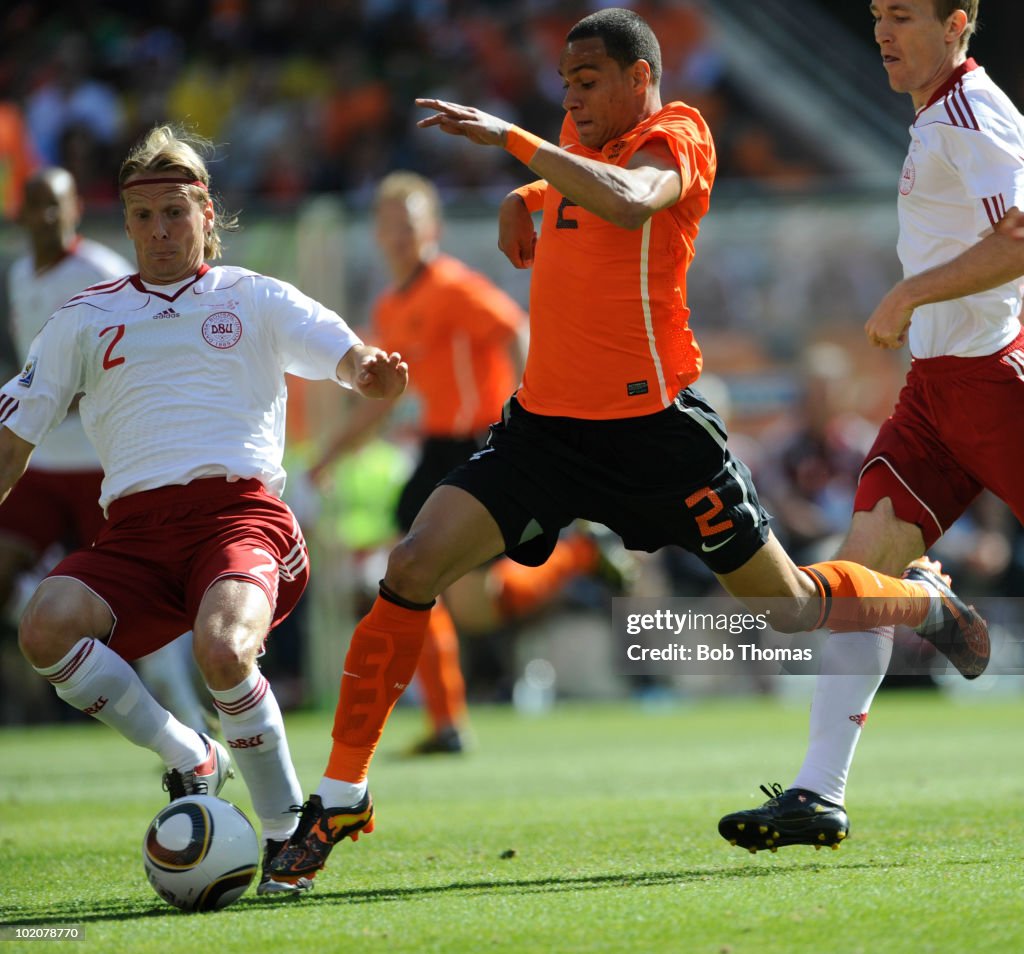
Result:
x=907 y=177
x=222 y=330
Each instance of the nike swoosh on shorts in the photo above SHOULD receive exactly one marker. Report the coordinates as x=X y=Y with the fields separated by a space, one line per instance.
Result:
x=717 y=546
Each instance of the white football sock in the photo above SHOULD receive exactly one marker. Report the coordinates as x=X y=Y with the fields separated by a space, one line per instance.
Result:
x=167 y=673
x=852 y=668
x=254 y=729
x=93 y=678
x=337 y=794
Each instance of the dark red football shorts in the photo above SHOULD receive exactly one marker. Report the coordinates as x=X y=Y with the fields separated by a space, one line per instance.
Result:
x=956 y=430
x=161 y=550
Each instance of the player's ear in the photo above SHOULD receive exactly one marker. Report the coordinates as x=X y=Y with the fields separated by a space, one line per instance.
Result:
x=641 y=75
x=955 y=25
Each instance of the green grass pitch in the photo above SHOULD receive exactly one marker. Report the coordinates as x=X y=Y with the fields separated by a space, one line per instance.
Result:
x=592 y=828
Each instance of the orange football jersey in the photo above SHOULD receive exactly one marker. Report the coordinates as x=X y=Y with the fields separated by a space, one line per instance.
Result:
x=454 y=328
x=609 y=334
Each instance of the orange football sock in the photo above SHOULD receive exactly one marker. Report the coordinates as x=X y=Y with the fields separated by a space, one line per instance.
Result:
x=440 y=672
x=854 y=598
x=522 y=589
x=379 y=665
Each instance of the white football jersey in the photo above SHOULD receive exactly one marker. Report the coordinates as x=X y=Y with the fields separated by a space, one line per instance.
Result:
x=180 y=381
x=33 y=297
x=965 y=168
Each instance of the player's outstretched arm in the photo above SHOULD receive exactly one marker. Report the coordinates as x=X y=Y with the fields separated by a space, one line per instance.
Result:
x=625 y=196
x=14 y=455
x=374 y=373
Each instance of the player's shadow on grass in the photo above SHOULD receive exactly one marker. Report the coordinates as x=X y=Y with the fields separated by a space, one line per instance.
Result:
x=560 y=883
x=78 y=912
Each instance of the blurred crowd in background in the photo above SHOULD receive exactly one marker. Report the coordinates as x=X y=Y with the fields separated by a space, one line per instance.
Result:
x=318 y=96
x=307 y=97
x=311 y=95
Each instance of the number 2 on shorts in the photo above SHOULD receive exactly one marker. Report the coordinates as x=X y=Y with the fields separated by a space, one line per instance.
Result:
x=704 y=524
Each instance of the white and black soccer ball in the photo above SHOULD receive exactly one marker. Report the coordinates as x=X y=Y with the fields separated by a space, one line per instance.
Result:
x=200 y=853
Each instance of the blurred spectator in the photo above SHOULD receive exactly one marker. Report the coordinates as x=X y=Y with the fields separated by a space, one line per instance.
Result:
x=17 y=159
x=811 y=476
x=690 y=62
x=978 y=548
x=84 y=156
x=68 y=94
x=354 y=118
x=205 y=90
x=751 y=150
x=266 y=133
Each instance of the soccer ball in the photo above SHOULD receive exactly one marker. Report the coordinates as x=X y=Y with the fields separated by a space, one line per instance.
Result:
x=200 y=853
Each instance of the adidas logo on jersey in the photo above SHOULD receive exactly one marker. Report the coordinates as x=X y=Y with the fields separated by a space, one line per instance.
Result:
x=167 y=313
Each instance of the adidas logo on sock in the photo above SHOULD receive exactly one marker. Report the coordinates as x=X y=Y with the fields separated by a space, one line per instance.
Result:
x=167 y=313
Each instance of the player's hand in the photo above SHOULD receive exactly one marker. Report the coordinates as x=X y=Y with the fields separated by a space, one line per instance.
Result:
x=377 y=374
x=479 y=127
x=517 y=237
x=1012 y=224
x=888 y=325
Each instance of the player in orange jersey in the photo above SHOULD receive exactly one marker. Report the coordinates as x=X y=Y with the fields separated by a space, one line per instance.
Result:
x=606 y=424
x=463 y=338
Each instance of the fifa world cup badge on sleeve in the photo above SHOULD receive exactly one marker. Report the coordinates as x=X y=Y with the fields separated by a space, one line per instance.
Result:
x=27 y=373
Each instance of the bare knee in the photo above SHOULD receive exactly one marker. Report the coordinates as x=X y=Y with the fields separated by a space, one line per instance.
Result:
x=229 y=631
x=59 y=614
x=223 y=661
x=411 y=573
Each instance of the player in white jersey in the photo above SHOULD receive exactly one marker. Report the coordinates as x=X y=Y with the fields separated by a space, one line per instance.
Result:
x=182 y=367
x=955 y=428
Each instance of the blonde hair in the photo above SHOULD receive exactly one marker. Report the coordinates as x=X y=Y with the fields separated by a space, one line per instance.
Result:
x=404 y=186
x=173 y=148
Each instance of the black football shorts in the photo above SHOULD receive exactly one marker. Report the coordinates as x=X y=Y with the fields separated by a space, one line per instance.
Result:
x=664 y=478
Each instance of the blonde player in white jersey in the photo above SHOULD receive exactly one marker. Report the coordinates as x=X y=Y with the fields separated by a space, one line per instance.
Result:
x=55 y=505
x=955 y=429
x=182 y=370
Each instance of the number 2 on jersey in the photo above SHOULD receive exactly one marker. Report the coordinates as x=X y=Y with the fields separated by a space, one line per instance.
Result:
x=563 y=221
x=109 y=361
